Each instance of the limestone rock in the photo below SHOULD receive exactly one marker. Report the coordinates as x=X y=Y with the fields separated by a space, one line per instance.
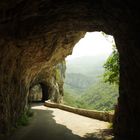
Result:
x=36 y=35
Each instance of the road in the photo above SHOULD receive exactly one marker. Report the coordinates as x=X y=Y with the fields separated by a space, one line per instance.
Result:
x=55 y=124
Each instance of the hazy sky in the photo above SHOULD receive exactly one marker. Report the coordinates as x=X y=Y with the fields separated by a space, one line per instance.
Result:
x=92 y=44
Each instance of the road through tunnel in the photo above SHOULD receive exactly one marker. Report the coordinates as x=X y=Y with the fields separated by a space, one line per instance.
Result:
x=39 y=92
x=37 y=35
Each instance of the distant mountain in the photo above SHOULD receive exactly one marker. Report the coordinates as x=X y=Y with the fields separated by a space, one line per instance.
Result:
x=77 y=82
x=82 y=72
x=86 y=65
x=83 y=85
x=100 y=96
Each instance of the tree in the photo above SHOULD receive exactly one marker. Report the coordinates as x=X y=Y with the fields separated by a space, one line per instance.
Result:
x=111 y=66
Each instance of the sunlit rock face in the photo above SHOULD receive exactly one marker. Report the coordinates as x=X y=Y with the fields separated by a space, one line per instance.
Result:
x=50 y=87
x=56 y=94
x=36 y=35
x=35 y=93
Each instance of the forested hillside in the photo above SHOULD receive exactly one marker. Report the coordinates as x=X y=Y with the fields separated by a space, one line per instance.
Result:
x=84 y=87
x=82 y=72
x=78 y=82
x=100 y=96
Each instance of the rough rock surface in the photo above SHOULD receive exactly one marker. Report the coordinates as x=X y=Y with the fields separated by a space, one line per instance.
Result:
x=35 y=93
x=51 y=86
x=35 y=35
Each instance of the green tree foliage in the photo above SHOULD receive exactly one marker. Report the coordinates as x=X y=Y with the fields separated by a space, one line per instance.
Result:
x=111 y=66
x=57 y=74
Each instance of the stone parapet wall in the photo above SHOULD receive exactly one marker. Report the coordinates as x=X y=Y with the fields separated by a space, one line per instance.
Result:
x=100 y=115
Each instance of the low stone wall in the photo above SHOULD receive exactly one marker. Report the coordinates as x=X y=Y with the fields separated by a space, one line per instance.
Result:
x=100 y=115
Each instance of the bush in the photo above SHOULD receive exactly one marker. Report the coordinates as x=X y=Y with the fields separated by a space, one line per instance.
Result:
x=24 y=118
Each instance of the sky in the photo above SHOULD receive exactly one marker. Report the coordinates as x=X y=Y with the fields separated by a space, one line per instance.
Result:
x=93 y=44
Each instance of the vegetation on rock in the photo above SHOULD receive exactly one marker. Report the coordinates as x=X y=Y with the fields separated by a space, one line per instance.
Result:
x=24 y=118
x=111 y=66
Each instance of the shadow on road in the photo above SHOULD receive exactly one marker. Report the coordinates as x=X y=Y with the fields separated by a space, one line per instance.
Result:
x=44 y=127
x=105 y=134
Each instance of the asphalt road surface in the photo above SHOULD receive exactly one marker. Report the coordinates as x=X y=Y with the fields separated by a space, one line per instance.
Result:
x=55 y=124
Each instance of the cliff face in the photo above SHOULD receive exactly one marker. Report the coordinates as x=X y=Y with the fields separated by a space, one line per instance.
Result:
x=50 y=88
x=25 y=64
x=36 y=35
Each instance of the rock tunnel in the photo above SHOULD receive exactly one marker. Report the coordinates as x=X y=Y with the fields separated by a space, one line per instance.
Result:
x=45 y=92
x=39 y=93
x=36 y=35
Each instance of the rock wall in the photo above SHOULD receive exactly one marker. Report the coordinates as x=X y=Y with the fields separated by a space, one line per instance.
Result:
x=51 y=88
x=35 y=93
x=25 y=64
x=59 y=75
x=35 y=35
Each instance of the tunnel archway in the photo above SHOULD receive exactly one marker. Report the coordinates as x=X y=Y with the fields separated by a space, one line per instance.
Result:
x=37 y=37
x=87 y=83
x=39 y=93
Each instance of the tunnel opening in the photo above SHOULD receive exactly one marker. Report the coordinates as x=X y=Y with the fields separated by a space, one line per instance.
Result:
x=35 y=93
x=92 y=73
x=45 y=92
x=27 y=30
x=38 y=93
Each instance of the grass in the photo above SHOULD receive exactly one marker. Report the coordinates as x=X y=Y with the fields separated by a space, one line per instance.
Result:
x=24 y=118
